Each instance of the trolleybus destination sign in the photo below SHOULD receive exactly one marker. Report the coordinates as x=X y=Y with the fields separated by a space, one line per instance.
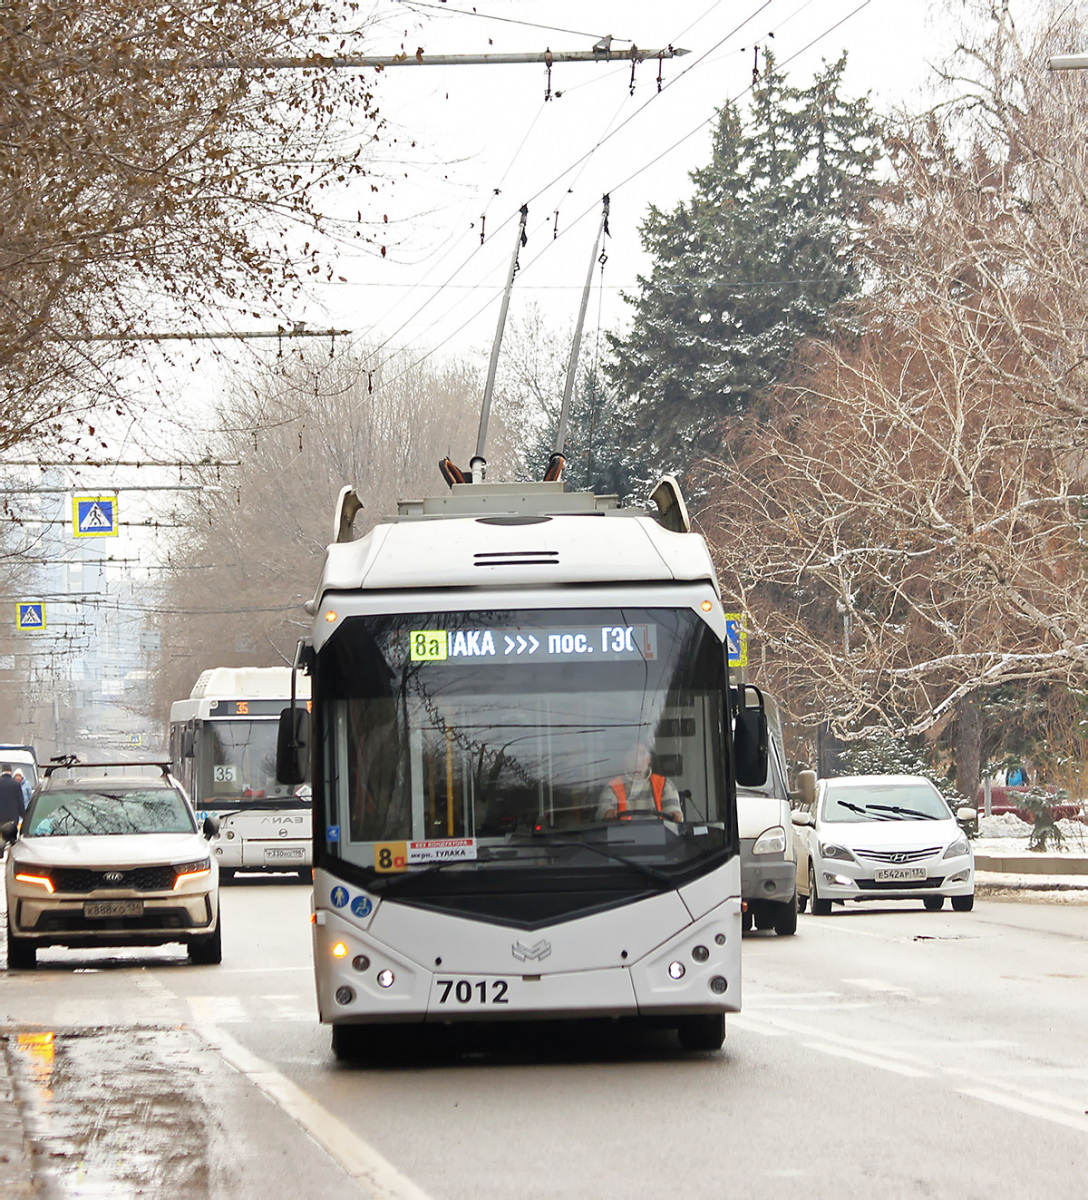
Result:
x=602 y=643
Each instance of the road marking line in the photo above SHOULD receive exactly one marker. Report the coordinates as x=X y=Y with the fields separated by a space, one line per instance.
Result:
x=754 y=1026
x=371 y=1170
x=1070 y=1120
x=879 y=985
x=869 y=1060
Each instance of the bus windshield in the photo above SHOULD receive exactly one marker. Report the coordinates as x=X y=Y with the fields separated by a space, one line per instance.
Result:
x=552 y=739
x=238 y=762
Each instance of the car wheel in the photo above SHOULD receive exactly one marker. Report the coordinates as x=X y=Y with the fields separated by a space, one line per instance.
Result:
x=22 y=953
x=933 y=903
x=702 y=1033
x=785 y=922
x=963 y=903
x=208 y=951
x=820 y=906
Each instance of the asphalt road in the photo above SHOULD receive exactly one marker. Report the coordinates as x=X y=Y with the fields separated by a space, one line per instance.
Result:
x=882 y=1052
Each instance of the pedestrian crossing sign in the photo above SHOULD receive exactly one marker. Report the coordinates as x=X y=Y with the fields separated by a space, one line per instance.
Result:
x=736 y=637
x=30 y=614
x=94 y=516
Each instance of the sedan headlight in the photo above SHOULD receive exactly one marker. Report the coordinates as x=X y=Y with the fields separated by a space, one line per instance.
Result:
x=958 y=848
x=830 y=850
x=771 y=841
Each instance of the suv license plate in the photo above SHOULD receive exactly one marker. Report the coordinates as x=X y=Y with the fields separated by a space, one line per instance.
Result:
x=113 y=908
x=286 y=854
x=902 y=874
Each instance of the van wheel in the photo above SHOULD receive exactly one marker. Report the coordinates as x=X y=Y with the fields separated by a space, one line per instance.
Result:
x=963 y=903
x=702 y=1033
x=820 y=906
x=785 y=922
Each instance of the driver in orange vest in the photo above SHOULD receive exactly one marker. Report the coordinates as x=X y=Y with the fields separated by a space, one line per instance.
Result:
x=639 y=788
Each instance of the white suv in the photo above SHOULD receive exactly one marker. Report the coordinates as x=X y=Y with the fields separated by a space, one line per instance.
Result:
x=110 y=854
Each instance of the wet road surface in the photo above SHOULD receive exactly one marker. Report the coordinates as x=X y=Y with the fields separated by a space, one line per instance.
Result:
x=881 y=1052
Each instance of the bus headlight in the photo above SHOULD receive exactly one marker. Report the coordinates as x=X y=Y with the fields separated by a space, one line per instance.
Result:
x=385 y=978
x=676 y=970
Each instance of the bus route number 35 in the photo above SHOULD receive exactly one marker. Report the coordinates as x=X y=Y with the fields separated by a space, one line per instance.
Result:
x=472 y=991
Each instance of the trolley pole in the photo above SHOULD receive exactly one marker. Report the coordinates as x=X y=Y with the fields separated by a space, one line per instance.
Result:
x=478 y=465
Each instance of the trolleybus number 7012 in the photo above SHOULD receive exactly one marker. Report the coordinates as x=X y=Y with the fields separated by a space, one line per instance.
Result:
x=461 y=990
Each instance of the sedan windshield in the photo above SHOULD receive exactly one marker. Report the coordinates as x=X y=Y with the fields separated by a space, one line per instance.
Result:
x=100 y=812
x=918 y=801
x=554 y=739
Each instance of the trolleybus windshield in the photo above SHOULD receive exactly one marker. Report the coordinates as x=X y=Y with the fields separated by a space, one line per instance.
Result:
x=238 y=763
x=484 y=741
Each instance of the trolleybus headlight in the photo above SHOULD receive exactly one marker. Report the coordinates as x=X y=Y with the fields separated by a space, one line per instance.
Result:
x=676 y=970
x=360 y=962
x=719 y=939
x=700 y=954
x=718 y=984
x=344 y=995
x=385 y=978
x=339 y=950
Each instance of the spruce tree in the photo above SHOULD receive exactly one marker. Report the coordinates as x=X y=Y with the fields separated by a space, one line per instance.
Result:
x=755 y=261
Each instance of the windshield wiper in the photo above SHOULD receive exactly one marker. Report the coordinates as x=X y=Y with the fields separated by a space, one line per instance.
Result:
x=597 y=848
x=904 y=812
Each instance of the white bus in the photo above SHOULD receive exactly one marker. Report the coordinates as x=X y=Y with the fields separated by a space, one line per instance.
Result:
x=483 y=668
x=223 y=747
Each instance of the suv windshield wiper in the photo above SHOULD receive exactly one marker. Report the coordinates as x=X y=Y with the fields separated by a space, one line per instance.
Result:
x=904 y=812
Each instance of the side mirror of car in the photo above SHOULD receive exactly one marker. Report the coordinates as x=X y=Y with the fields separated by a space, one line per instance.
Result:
x=9 y=831
x=802 y=817
x=293 y=747
x=806 y=785
x=210 y=827
x=750 y=738
x=966 y=814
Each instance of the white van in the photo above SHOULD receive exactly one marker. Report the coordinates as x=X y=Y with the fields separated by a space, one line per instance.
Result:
x=768 y=857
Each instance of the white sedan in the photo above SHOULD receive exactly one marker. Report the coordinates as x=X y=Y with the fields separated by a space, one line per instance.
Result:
x=881 y=837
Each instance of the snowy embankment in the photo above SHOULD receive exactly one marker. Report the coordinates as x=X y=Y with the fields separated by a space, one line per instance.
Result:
x=1006 y=837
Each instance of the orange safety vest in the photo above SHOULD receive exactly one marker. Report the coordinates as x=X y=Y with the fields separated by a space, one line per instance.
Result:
x=657 y=782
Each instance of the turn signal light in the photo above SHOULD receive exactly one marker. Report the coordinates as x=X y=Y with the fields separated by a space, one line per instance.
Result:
x=43 y=880
x=340 y=950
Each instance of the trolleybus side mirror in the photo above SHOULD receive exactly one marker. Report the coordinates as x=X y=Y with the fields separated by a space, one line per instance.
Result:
x=293 y=746
x=750 y=738
x=210 y=827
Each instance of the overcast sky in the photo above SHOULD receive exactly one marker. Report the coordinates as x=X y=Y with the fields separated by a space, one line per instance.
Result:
x=487 y=141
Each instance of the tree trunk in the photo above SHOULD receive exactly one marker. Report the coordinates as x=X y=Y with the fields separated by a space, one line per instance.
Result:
x=967 y=747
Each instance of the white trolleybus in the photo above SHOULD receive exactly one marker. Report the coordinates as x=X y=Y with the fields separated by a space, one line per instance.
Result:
x=223 y=747
x=525 y=751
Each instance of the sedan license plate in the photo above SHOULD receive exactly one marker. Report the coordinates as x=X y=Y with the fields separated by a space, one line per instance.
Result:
x=285 y=854
x=452 y=994
x=113 y=908
x=899 y=874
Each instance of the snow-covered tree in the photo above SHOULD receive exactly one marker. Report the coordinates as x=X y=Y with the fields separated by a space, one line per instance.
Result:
x=755 y=261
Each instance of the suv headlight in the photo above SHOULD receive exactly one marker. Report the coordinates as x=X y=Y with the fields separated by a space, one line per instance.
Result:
x=771 y=841
x=830 y=850
x=958 y=848
x=191 y=870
